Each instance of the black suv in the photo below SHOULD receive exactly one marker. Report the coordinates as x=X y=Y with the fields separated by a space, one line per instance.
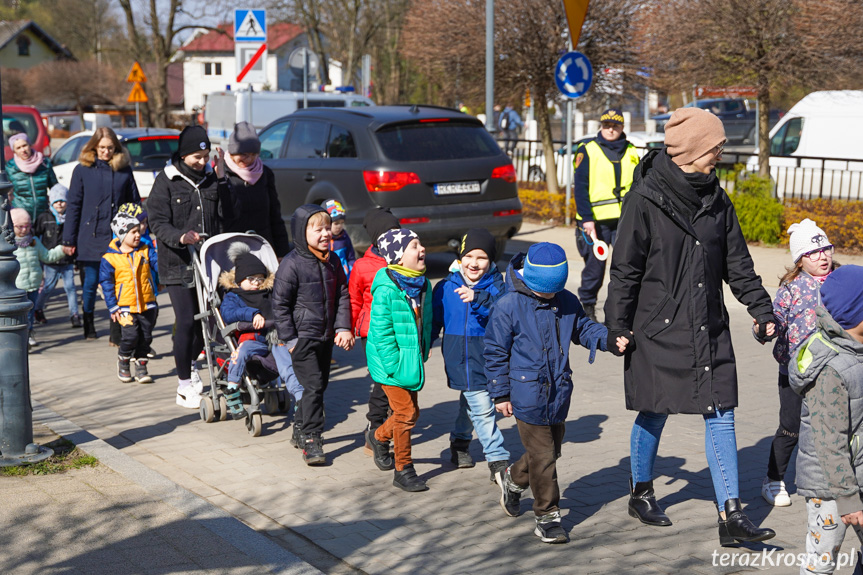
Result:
x=438 y=169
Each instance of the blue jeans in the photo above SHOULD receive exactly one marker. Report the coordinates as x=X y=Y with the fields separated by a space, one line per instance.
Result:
x=52 y=274
x=476 y=412
x=720 y=445
x=90 y=283
x=282 y=356
x=31 y=314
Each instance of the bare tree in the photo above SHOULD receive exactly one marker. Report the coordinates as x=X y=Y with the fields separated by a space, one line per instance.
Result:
x=14 y=86
x=74 y=84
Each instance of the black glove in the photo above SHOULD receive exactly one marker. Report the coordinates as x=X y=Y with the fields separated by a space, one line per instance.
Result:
x=761 y=332
x=611 y=342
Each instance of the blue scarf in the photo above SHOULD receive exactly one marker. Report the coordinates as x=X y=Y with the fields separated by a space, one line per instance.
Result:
x=411 y=286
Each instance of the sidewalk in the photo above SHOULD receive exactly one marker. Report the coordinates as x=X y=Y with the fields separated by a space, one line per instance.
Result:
x=347 y=517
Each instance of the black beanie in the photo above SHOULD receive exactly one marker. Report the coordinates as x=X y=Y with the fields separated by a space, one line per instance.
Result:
x=378 y=221
x=248 y=265
x=478 y=239
x=192 y=139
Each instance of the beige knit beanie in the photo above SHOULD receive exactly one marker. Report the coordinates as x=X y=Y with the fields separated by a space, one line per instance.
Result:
x=692 y=132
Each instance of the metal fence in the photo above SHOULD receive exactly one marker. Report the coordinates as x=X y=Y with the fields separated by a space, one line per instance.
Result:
x=793 y=177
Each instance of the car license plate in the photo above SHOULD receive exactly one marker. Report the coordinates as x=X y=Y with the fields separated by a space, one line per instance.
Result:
x=457 y=188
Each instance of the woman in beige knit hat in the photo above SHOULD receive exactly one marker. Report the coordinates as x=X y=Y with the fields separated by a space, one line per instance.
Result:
x=678 y=242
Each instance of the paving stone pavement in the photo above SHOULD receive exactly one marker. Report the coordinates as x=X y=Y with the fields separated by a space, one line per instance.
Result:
x=350 y=511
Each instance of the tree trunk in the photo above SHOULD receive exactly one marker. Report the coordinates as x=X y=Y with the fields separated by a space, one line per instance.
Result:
x=547 y=145
x=764 y=128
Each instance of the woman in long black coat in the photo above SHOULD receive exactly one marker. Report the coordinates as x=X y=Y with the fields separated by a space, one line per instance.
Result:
x=678 y=241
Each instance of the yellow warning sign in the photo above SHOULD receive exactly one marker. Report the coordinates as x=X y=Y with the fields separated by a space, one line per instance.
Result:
x=136 y=74
x=137 y=94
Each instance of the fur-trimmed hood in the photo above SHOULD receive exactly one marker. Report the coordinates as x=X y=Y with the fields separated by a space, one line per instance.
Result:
x=229 y=282
x=120 y=160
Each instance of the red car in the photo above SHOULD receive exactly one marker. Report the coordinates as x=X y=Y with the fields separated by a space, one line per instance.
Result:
x=25 y=119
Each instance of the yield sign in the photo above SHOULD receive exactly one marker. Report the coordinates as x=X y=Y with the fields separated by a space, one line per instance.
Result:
x=137 y=94
x=136 y=74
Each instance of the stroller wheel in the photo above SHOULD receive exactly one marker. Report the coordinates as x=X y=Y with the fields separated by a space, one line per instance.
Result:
x=207 y=409
x=271 y=402
x=284 y=401
x=254 y=424
x=223 y=408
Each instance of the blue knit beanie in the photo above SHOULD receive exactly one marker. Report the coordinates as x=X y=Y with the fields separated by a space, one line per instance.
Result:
x=545 y=268
x=843 y=297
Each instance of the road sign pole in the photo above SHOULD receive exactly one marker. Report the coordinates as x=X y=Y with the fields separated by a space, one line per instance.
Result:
x=568 y=171
x=137 y=115
x=305 y=78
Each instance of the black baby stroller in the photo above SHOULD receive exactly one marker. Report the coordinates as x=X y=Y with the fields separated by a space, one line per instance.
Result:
x=260 y=380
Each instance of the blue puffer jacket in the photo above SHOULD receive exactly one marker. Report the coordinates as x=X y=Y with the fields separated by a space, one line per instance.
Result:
x=527 y=349
x=464 y=327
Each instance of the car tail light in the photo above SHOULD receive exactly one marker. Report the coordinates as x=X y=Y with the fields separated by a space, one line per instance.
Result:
x=427 y=120
x=507 y=213
x=409 y=221
x=380 y=181
x=506 y=173
x=168 y=137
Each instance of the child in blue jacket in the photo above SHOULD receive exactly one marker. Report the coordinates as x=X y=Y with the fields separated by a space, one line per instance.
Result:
x=527 y=365
x=341 y=243
x=461 y=304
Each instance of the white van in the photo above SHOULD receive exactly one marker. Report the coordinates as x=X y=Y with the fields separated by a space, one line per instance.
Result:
x=224 y=109
x=815 y=148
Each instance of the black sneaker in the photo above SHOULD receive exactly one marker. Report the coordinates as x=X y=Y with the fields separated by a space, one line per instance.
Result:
x=407 y=480
x=141 y=375
x=510 y=494
x=313 y=449
x=549 y=530
x=495 y=467
x=380 y=451
x=297 y=434
x=124 y=372
x=459 y=454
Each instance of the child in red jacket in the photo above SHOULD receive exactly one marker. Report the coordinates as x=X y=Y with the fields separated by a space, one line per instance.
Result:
x=376 y=222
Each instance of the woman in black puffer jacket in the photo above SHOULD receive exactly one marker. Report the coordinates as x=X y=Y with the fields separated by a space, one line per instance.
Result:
x=188 y=200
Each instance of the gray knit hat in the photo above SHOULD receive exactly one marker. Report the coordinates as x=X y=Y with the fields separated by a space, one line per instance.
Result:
x=244 y=140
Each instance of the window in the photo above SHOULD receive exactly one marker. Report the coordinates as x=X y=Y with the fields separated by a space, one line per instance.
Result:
x=152 y=152
x=23 y=45
x=734 y=107
x=341 y=144
x=436 y=141
x=212 y=69
x=272 y=139
x=69 y=152
x=308 y=139
x=14 y=123
x=786 y=140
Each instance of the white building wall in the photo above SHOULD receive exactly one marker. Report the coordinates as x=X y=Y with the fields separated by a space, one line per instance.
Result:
x=196 y=85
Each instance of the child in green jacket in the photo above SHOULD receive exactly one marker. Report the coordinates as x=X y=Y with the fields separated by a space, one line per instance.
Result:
x=398 y=344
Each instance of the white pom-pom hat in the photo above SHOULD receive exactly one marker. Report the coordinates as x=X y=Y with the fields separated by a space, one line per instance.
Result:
x=806 y=237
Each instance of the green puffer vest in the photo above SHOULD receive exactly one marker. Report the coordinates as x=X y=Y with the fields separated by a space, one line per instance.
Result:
x=30 y=191
x=396 y=348
x=31 y=259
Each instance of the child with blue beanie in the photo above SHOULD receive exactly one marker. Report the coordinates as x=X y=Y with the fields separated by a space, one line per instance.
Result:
x=527 y=365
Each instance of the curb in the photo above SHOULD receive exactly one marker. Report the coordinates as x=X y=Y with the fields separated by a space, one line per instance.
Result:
x=256 y=546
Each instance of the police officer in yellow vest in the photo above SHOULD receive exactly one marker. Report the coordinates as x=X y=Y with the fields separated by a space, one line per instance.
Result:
x=603 y=174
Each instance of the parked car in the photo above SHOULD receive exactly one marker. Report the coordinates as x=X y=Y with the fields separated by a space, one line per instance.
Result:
x=737 y=115
x=438 y=169
x=27 y=119
x=149 y=148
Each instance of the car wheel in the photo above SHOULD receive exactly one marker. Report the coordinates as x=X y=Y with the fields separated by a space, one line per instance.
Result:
x=535 y=174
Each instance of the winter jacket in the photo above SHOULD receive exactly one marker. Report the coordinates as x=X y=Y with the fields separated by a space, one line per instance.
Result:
x=667 y=273
x=464 y=327
x=257 y=208
x=527 y=349
x=50 y=232
x=827 y=370
x=31 y=259
x=399 y=339
x=30 y=191
x=344 y=249
x=241 y=305
x=794 y=310
x=176 y=205
x=360 y=289
x=128 y=281
x=96 y=192
x=310 y=297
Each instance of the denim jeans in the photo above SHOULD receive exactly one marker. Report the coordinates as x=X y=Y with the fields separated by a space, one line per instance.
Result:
x=52 y=274
x=90 y=283
x=720 y=445
x=282 y=356
x=31 y=314
x=476 y=412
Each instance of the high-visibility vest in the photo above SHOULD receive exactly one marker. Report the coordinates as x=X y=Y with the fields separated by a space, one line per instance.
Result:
x=605 y=191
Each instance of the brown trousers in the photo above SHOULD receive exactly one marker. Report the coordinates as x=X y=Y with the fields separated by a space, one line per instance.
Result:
x=398 y=426
x=537 y=468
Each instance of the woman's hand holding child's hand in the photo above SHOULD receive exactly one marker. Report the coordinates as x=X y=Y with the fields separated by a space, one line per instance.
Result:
x=622 y=342
x=504 y=408
x=258 y=321
x=345 y=340
x=465 y=293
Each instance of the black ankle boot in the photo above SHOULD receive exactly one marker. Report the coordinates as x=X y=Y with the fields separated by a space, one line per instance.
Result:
x=89 y=326
x=407 y=480
x=459 y=454
x=738 y=528
x=643 y=505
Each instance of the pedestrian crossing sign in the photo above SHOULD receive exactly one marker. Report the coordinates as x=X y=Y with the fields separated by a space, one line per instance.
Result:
x=250 y=25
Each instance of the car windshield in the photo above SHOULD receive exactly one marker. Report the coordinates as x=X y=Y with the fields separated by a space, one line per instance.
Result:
x=14 y=123
x=436 y=140
x=151 y=152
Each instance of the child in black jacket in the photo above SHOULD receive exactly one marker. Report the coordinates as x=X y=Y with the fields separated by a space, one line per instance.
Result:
x=49 y=228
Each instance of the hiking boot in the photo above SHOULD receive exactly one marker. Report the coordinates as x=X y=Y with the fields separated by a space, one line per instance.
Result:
x=510 y=493
x=124 y=372
x=459 y=454
x=76 y=321
x=141 y=375
x=407 y=480
x=313 y=449
x=590 y=310
x=381 y=451
x=548 y=528
x=39 y=316
x=234 y=401
x=495 y=467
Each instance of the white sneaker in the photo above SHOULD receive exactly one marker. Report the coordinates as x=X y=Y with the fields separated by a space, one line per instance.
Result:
x=31 y=342
x=189 y=398
x=774 y=493
x=197 y=382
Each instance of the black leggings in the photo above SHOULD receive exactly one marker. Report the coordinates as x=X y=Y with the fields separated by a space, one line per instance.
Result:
x=786 y=436
x=188 y=337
